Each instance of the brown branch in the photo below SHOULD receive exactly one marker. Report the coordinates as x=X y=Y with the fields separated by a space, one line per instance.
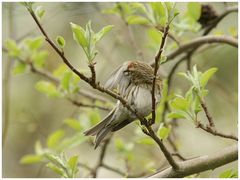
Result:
x=203 y=163
x=80 y=104
x=113 y=169
x=156 y=67
x=215 y=132
x=203 y=40
x=215 y=23
x=166 y=153
x=101 y=157
x=170 y=35
x=209 y=117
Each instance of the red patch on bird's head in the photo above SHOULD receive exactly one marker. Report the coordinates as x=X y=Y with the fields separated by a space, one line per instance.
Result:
x=131 y=65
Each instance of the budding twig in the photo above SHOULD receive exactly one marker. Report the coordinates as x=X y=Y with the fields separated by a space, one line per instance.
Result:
x=156 y=66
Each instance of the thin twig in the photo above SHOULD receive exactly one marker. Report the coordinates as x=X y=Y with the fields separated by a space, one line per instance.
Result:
x=80 y=104
x=209 y=117
x=156 y=67
x=215 y=132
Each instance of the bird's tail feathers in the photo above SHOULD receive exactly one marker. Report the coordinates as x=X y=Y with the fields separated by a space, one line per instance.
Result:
x=97 y=128
x=101 y=134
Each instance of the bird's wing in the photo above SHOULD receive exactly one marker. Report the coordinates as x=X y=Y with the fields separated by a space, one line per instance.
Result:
x=118 y=80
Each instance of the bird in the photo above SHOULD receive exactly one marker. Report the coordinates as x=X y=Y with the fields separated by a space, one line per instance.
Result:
x=133 y=81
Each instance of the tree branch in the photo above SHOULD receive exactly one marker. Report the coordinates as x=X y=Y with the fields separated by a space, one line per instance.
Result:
x=215 y=23
x=203 y=163
x=203 y=40
x=215 y=132
x=156 y=67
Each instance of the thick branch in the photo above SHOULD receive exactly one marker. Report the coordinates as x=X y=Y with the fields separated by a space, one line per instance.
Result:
x=203 y=40
x=203 y=163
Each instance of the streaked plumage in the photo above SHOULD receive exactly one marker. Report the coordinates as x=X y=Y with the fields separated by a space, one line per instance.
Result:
x=133 y=81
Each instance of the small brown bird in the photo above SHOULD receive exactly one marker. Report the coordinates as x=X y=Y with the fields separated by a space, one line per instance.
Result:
x=133 y=81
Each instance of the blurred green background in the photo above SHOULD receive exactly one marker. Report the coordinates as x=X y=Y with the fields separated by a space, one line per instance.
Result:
x=33 y=116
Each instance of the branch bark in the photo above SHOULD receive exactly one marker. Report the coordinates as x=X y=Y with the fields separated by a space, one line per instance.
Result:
x=203 y=40
x=203 y=163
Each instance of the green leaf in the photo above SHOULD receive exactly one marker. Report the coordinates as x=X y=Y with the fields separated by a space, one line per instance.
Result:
x=163 y=59
x=56 y=169
x=34 y=44
x=19 y=68
x=194 y=10
x=176 y=115
x=98 y=36
x=39 y=58
x=79 y=35
x=73 y=123
x=163 y=132
x=60 y=71
x=206 y=76
x=94 y=117
x=13 y=49
x=47 y=88
x=38 y=148
x=155 y=35
x=179 y=103
x=30 y=159
x=60 y=41
x=71 y=142
x=229 y=174
x=160 y=13
x=146 y=141
x=54 y=138
x=73 y=163
x=134 y=19
x=39 y=12
x=66 y=79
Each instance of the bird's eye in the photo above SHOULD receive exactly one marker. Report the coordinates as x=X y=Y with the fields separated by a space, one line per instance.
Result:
x=126 y=72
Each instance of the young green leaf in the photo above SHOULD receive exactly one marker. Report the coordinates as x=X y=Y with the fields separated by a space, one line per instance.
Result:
x=134 y=19
x=38 y=148
x=39 y=58
x=13 y=49
x=194 y=10
x=176 y=115
x=34 y=44
x=163 y=132
x=39 y=12
x=206 y=76
x=30 y=159
x=56 y=169
x=73 y=123
x=66 y=80
x=146 y=141
x=47 y=88
x=229 y=174
x=180 y=103
x=98 y=36
x=19 y=68
x=73 y=162
x=54 y=138
x=79 y=35
x=94 y=117
x=60 y=41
